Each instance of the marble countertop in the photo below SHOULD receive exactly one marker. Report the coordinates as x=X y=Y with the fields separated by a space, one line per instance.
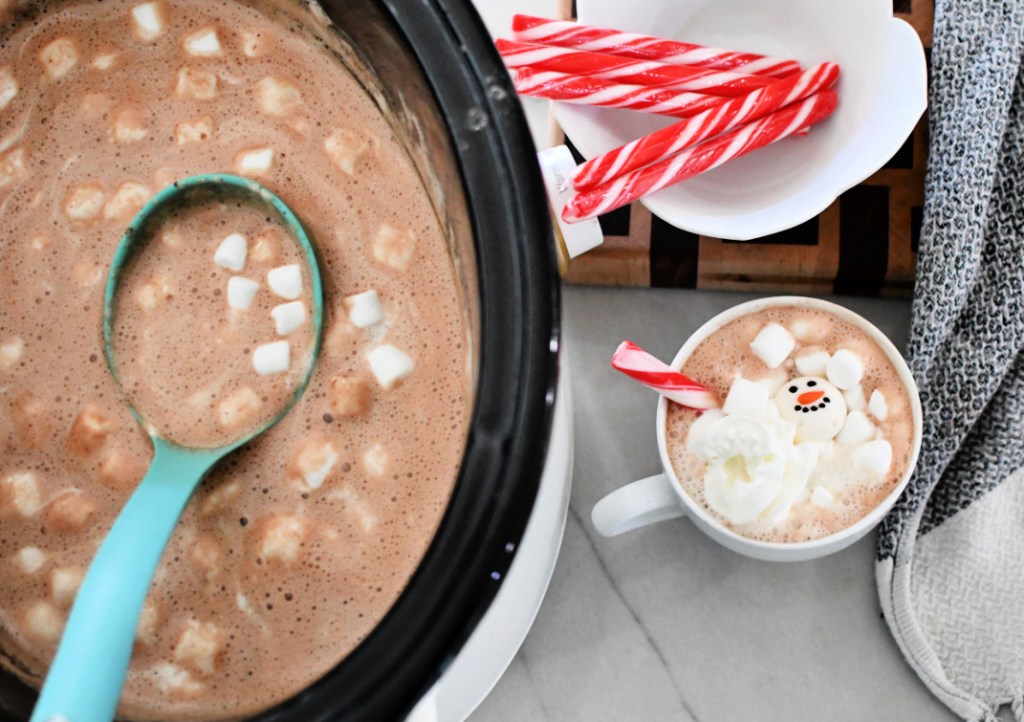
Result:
x=664 y=624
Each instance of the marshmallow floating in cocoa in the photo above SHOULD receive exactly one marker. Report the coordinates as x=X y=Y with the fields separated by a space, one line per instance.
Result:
x=845 y=369
x=286 y=281
x=288 y=317
x=231 y=252
x=857 y=429
x=389 y=365
x=878 y=406
x=745 y=397
x=272 y=358
x=813 y=363
x=875 y=456
x=241 y=292
x=772 y=345
x=364 y=308
x=150 y=20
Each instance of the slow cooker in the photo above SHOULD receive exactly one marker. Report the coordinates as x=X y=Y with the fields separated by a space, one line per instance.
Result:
x=431 y=64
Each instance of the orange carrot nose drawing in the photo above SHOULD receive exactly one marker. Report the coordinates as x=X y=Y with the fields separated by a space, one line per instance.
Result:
x=809 y=397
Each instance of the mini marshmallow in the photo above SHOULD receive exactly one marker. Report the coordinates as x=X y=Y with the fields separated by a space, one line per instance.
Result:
x=772 y=345
x=877 y=406
x=231 y=252
x=745 y=397
x=19 y=493
x=822 y=497
x=288 y=317
x=845 y=369
x=254 y=162
x=127 y=201
x=286 y=281
x=813 y=364
x=345 y=148
x=773 y=381
x=265 y=247
x=12 y=168
x=59 y=57
x=239 y=408
x=876 y=456
x=8 y=86
x=198 y=645
x=11 y=351
x=277 y=97
x=282 y=538
x=89 y=431
x=193 y=131
x=172 y=679
x=241 y=292
x=375 y=460
x=221 y=499
x=128 y=126
x=272 y=358
x=314 y=462
x=84 y=202
x=105 y=61
x=253 y=43
x=71 y=512
x=64 y=584
x=154 y=292
x=349 y=396
x=205 y=553
x=149 y=618
x=150 y=20
x=856 y=430
x=855 y=400
x=44 y=622
x=119 y=470
x=30 y=559
x=32 y=420
x=389 y=365
x=87 y=273
x=196 y=84
x=394 y=248
x=364 y=308
x=203 y=43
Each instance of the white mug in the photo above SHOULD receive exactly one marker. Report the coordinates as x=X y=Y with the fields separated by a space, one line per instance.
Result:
x=661 y=497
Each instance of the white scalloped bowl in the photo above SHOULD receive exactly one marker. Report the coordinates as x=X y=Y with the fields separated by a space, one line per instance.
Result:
x=882 y=94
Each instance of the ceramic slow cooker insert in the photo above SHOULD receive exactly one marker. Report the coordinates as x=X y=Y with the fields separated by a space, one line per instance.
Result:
x=431 y=66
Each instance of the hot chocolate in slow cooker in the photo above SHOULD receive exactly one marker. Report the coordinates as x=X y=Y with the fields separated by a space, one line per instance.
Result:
x=432 y=71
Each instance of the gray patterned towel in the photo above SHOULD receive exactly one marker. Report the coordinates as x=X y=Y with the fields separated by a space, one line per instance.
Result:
x=950 y=567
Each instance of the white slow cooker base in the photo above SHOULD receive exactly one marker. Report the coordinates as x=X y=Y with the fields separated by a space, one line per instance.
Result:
x=495 y=641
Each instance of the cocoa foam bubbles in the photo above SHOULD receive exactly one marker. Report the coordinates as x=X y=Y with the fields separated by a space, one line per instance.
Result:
x=798 y=451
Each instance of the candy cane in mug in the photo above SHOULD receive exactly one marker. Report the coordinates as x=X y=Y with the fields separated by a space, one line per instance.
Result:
x=636 y=363
x=568 y=34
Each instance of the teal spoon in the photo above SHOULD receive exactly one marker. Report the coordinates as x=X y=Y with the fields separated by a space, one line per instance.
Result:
x=85 y=680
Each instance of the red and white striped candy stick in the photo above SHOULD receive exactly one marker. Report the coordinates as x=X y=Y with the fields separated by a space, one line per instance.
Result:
x=730 y=114
x=567 y=34
x=699 y=158
x=627 y=70
x=636 y=363
x=589 y=90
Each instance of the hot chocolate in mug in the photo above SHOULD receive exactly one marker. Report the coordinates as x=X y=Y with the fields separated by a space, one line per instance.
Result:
x=663 y=496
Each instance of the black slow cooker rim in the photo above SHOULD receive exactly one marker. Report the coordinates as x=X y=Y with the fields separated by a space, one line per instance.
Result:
x=518 y=374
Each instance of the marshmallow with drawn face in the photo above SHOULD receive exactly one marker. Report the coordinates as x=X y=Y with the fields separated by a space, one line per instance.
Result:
x=814 y=406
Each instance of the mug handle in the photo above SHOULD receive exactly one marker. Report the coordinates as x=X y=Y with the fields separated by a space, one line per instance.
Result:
x=635 y=505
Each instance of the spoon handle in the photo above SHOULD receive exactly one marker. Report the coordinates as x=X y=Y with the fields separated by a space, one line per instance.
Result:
x=85 y=680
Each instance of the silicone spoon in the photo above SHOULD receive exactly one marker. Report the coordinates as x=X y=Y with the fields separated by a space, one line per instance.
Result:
x=85 y=680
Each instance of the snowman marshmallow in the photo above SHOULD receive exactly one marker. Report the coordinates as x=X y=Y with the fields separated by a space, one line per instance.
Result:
x=814 y=406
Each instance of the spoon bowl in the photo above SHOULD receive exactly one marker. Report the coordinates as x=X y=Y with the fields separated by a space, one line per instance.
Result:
x=85 y=679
